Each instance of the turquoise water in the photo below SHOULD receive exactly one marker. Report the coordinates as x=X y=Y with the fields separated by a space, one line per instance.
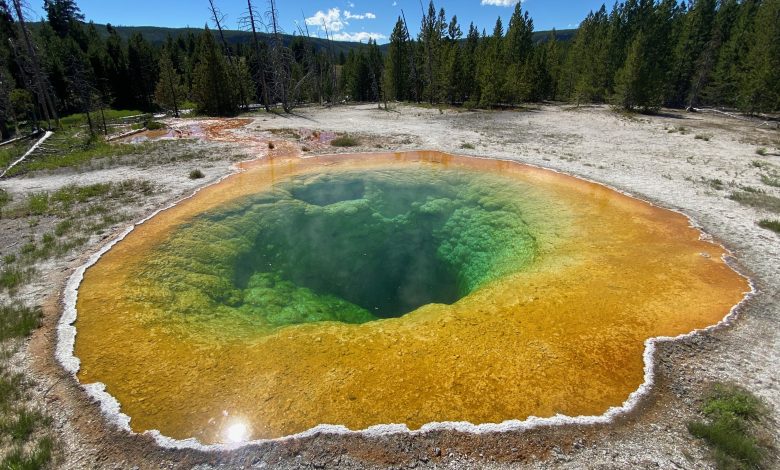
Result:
x=350 y=247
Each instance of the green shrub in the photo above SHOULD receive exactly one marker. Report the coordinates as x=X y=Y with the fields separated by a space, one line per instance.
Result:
x=731 y=414
x=773 y=181
x=345 y=141
x=467 y=146
x=196 y=175
x=703 y=137
x=73 y=153
x=755 y=198
x=23 y=425
x=761 y=151
x=18 y=459
x=70 y=194
x=773 y=225
x=5 y=198
x=38 y=204
x=110 y=115
x=17 y=321
x=63 y=227
x=155 y=126
x=12 y=277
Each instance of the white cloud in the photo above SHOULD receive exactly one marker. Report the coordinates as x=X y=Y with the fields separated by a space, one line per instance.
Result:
x=365 y=16
x=501 y=3
x=362 y=36
x=331 y=20
x=350 y=4
x=334 y=21
x=395 y=4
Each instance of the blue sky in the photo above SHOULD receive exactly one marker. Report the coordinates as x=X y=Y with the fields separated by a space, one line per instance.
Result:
x=347 y=19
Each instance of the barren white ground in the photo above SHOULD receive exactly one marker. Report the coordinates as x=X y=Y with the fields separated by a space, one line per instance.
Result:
x=634 y=154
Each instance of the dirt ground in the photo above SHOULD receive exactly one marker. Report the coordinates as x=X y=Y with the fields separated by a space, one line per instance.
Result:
x=671 y=159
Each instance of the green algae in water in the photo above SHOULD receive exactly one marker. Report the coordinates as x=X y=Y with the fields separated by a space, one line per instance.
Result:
x=350 y=247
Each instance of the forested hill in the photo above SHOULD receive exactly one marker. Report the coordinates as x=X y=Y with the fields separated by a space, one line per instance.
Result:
x=158 y=35
x=640 y=54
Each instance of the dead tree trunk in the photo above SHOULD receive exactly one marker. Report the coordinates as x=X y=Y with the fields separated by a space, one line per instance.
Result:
x=260 y=79
x=233 y=68
x=103 y=118
x=172 y=87
x=41 y=90
x=280 y=63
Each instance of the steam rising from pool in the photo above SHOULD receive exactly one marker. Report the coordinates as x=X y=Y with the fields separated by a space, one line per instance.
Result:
x=348 y=247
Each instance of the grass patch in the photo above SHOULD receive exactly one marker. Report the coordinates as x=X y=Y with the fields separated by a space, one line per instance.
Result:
x=12 y=277
x=72 y=149
x=22 y=426
x=761 y=151
x=773 y=225
x=18 y=321
x=773 y=181
x=76 y=120
x=11 y=388
x=5 y=198
x=11 y=152
x=467 y=146
x=717 y=184
x=155 y=126
x=76 y=157
x=38 y=204
x=732 y=414
x=756 y=198
x=196 y=175
x=63 y=227
x=36 y=459
x=61 y=202
x=703 y=137
x=681 y=129
x=345 y=141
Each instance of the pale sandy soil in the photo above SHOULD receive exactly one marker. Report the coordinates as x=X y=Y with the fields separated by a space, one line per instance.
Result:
x=633 y=154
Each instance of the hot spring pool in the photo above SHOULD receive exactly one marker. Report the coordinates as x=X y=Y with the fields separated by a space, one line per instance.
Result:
x=391 y=288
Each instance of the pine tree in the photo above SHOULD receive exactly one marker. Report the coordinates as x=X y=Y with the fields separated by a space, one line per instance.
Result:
x=397 y=64
x=63 y=15
x=7 y=86
x=210 y=92
x=518 y=48
x=116 y=70
x=760 y=84
x=242 y=82
x=715 y=88
x=491 y=67
x=452 y=64
x=724 y=21
x=588 y=63
x=553 y=64
x=470 y=86
x=696 y=32
x=142 y=70
x=430 y=41
x=169 y=92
